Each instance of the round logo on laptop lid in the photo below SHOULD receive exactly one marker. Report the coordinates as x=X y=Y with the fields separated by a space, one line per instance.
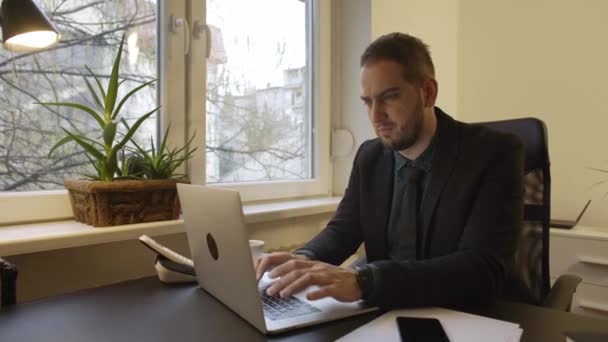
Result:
x=212 y=247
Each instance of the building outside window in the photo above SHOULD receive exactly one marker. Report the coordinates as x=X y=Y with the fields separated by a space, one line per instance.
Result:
x=255 y=129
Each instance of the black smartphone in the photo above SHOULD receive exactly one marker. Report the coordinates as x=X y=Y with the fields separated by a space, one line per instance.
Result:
x=414 y=329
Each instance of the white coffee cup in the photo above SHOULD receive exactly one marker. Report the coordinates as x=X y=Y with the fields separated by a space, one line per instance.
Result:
x=257 y=249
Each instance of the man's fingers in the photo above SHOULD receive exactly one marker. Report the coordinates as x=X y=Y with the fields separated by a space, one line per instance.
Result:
x=289 y=266
x=306 y=280
x=325 y=291
x=261 y=266
x=267 y=261
x=263 y=263
x=285 y=280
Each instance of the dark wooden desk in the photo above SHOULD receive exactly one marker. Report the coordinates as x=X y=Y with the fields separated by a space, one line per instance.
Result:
x=147 y=310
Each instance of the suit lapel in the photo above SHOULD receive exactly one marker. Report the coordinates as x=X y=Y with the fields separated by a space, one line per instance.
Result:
x=443 y=165
x=383 y=194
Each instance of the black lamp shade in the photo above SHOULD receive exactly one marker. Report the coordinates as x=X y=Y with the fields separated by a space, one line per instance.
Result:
x=25 y=27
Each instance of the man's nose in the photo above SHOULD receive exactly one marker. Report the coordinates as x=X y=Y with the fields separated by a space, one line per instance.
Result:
x=376 y=112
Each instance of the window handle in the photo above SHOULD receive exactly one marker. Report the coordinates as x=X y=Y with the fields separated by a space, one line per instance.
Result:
x=175 y=23
x=197 y=29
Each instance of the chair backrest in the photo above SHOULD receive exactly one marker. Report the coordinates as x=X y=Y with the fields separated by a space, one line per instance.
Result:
x=529 y=275
x=8 y=282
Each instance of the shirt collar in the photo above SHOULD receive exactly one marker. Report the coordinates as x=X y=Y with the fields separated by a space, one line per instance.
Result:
x=424 y=160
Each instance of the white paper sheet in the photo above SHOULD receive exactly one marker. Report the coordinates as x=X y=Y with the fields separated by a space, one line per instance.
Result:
x=459 y=326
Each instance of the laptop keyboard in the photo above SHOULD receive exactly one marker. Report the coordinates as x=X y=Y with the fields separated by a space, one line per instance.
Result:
x=276 y=308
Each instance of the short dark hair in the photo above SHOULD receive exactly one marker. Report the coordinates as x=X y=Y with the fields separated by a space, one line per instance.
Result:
x=412 y=53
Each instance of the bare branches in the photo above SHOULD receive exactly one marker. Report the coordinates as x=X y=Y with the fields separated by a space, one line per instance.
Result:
x=254 y=133
x=27 y=131
x=278 y=153
x=75 y=9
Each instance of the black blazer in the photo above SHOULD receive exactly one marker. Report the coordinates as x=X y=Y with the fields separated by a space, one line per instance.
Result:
x=471 y=215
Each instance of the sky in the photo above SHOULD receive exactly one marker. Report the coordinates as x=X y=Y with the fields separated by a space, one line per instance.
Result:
x=251 y=30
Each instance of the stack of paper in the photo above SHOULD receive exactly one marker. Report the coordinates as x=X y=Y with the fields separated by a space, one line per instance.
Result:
x=459 y=326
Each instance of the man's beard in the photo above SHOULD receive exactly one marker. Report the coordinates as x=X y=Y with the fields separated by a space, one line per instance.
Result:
x=408 y=134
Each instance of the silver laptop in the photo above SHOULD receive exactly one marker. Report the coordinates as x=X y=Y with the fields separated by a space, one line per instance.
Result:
x=219 y=247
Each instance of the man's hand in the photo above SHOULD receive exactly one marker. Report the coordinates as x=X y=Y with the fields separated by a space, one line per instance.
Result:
x=268 y=261
x=298 y=274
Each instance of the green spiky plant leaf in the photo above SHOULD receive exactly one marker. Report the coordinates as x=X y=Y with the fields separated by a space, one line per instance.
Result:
x=162 y=162
x=103 y=154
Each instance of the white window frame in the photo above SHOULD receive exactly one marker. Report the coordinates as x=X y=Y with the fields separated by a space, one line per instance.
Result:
x=180 y=95
x=48 y=205
x=321 y=76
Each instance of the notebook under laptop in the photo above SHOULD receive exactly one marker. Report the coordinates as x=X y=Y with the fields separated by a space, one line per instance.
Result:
x=220 y=250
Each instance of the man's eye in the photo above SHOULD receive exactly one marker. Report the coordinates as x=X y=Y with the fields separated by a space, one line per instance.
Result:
x=390 y=96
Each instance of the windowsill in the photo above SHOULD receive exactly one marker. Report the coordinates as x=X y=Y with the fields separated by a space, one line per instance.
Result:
x=38 y=237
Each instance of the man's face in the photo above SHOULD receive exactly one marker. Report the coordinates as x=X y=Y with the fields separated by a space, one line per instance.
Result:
x=394 y=105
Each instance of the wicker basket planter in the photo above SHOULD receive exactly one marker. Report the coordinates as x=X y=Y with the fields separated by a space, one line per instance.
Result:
x=103 y=204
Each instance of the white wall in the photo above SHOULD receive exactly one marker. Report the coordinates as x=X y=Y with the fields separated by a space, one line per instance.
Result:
x=436 y=23
x=549 y=59
x=350 y=36
x=502 y=59
x=50 y=273
x=356 y=24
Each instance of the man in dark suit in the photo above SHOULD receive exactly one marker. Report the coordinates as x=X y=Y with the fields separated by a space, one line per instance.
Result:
x=437 y=202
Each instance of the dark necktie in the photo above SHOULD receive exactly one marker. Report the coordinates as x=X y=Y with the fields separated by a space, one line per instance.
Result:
x=408 y=232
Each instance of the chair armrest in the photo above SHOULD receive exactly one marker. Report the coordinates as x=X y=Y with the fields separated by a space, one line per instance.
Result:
x=560 y=296
x=8 y=283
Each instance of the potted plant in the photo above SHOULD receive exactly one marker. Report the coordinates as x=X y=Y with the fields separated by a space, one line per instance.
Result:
x=125 y=188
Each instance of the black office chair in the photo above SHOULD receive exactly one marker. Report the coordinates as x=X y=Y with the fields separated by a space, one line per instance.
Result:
x=529 y=279
x=8 y=282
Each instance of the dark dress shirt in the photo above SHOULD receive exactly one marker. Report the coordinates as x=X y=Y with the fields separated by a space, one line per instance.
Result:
x=424 y=162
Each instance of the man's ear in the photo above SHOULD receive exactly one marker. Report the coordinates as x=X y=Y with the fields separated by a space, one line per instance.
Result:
x=430 y=89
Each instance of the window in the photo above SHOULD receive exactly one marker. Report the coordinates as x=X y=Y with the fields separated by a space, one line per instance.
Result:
x=91 y=32
x=258 y=98
x=266 y=117
x=254 y=130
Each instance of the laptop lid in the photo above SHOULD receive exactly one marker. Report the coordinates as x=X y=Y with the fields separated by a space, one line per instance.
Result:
x=224 y=267
x=220 y=249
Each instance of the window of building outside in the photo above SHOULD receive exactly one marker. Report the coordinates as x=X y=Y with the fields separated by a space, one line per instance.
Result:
x=259 y=106
x=91 y=31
